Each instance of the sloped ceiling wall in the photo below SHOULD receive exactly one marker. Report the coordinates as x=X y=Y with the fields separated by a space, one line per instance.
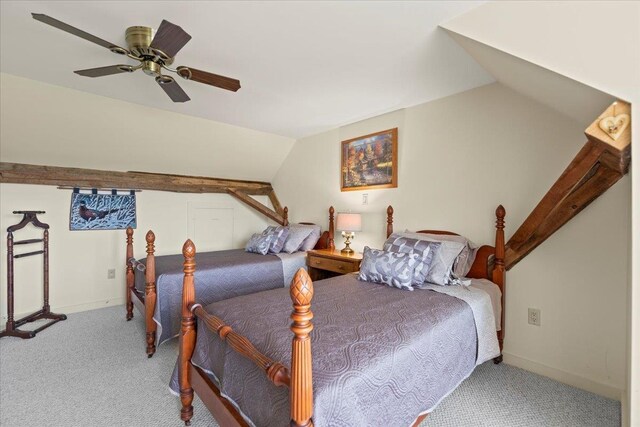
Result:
x=52 y=125
x=565 y=95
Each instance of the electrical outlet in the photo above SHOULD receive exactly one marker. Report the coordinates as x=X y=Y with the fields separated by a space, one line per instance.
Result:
x=365 y=199
x=111 y=273
x=534 y=316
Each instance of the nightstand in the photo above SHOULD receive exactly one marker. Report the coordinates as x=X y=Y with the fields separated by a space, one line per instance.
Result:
x=325 y=263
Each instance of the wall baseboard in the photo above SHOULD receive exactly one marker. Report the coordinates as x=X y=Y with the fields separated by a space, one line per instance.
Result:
x=573 y=380
x=76 y=308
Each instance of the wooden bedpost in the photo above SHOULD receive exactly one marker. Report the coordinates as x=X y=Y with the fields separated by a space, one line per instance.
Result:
x=331 y=245
x=130 y=278
x=285 y=216
x=498 y=270
x=187 y=332
x=150 y=294
x=389 y=221
x=300 y=389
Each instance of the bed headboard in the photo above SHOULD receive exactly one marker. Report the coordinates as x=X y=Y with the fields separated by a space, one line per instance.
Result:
x=326 y=238
x=489 y=262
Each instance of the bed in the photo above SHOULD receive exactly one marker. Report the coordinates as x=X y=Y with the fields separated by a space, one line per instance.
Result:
x=154 y=285
x=380 y=353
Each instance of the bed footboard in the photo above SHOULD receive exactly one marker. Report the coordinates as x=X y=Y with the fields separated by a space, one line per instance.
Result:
x=300 y=379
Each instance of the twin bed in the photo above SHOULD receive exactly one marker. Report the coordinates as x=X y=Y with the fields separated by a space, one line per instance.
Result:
x=154 y=285
x=380 y=355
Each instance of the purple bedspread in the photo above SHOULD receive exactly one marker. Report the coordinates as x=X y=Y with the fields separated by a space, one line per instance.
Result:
x=219 y=275
x=381 y=356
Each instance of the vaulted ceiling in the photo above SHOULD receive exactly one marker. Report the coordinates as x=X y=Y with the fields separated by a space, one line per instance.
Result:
x=305 y=67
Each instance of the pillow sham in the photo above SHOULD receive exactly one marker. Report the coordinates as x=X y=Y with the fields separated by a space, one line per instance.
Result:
x=310 y=242
x=295 y=239
x=424 y=249
x=465 y=260
x=441 y=267
x=280 y=234
x=259 y=244
x=394 y=269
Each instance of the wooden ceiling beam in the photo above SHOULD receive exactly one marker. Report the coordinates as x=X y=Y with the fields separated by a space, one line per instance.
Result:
x=601 y=162
x=253 y=203
x=20 y=173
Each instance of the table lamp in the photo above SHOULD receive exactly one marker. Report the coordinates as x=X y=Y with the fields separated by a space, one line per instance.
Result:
x=348 y=223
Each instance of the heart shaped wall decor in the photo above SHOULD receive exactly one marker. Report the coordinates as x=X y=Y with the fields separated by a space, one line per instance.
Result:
x=614 y=125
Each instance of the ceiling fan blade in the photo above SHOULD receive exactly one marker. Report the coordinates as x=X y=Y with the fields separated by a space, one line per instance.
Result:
x=172 y=88
x=209 y=78
x=105 y=71
x=77 y=32
x=169 y=38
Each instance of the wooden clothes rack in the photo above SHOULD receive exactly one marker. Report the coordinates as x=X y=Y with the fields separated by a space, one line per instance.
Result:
x=29 y=217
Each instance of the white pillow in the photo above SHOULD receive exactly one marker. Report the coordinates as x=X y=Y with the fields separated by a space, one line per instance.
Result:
x=465 y=260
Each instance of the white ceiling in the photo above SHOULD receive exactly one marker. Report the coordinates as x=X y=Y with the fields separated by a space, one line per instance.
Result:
x=305 y=67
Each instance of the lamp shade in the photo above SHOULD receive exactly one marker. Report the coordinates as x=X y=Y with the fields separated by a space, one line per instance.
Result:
x=349 y=222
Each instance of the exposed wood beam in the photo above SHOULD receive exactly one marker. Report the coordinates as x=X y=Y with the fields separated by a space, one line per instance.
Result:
x=253 y=203
x=19 y=173
x=276 y=203
x=601 y=162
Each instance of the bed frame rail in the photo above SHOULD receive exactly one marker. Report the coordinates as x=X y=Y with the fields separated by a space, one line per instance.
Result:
x=300 y=379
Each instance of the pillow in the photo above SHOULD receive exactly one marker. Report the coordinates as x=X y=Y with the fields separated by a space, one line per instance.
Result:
x=466 y=258
x=310 y=242
x=441 y=267
x=259 y=243
x=424 y=249
x=295 y=239
x=394 y=269
x=280 y=234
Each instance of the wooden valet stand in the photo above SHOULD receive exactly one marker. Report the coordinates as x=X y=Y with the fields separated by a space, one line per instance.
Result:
x=45 y=313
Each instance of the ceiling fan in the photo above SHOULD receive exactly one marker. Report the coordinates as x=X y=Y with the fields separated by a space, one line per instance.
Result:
x=155 y=53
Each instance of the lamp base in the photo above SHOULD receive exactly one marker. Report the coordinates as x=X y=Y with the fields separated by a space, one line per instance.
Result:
x=347 y=250
x=347 y=242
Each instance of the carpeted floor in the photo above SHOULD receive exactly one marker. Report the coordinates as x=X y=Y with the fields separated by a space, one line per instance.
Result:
x=91 y=370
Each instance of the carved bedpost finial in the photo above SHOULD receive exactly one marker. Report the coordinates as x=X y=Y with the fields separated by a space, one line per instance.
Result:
x=129 y=234
x=331 y=245
x=300 y=389
x=285 y=216
x=500 y=214
x=389 y=220
x=187 y=332
x=151 y=238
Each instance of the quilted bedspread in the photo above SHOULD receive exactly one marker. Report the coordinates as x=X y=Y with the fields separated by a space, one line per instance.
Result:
x=381 y=356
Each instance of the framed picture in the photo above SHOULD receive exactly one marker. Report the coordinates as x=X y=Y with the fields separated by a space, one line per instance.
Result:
x=102 y=211
x=370 y=161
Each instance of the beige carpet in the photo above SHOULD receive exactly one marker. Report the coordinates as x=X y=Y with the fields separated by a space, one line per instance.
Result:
x=91 y=370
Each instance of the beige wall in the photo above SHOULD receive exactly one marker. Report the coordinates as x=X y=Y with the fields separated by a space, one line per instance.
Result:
x=570 y=38
x=52 y=125
x=79 y=260
x=46 y=124
x=459 y=157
